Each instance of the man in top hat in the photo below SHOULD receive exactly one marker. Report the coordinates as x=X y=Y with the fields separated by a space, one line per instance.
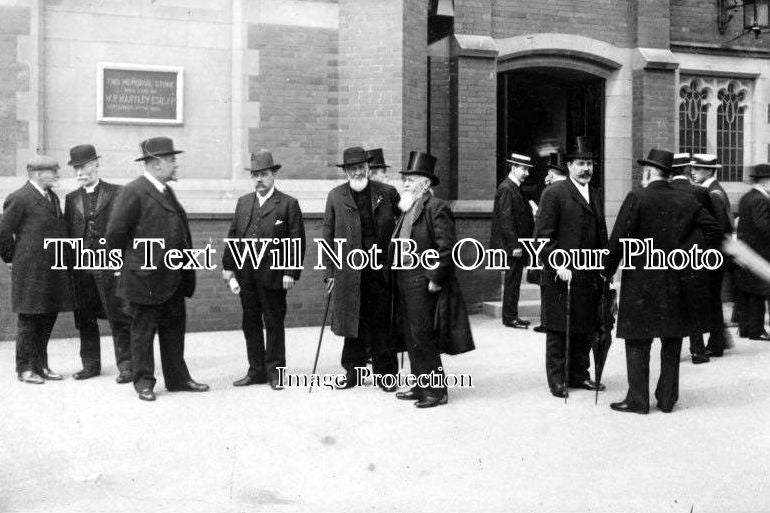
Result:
x=87 y=211
x=557 y=168
x=571 y=217
x=654 y=302
x=704 y=168
x=511 y=220
x=428 y=221
x=700 y=305
x=363 y=212
x=32 y=214
x=268 y=214
x=148 y=208
x=378 y=169
x=754 y=230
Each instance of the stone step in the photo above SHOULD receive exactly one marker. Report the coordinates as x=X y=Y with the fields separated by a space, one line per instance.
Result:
x=528 y=309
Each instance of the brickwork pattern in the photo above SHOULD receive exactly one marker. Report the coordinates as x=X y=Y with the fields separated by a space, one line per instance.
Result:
x=695 y=21
x=14 y=77
x=653 y=114
x=440 y=122
x=475 y=16
x=415 y=76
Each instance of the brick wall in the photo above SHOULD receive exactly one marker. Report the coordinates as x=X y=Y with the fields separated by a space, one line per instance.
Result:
x=415 y=76
x=695 y=21
x=475 y=17
x=298 y=91
x=440 y=125
x=653 y=114
x=14 y=78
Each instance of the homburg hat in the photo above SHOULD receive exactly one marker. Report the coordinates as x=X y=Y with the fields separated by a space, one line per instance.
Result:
x=661 y=159
x=353 y=156
x=157 y=147
x=262 y=160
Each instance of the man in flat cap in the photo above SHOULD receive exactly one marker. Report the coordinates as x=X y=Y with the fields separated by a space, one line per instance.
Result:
x=378 y=169
x=32 y=214
x=148 y=208
x=512 y=220
x=363 y=212
x=269 y=214
x=87 y=211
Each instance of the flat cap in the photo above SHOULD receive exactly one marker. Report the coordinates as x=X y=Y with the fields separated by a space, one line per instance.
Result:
x=42 y=163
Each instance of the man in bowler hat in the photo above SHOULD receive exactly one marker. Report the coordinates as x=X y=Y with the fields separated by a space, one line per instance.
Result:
x=363 y=212
x=32 y=214
x=148 y=208
x=654 y=302
x=87 y=211
x=268 y=214
x=378 y=169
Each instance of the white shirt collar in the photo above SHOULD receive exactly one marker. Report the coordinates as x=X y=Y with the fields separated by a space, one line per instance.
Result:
x=709 y=181
x=764 y=192
x=558 y=178
x=513 y=178
x=263 y=199
x=680 y=177
x=91 y=188
x=154 y=181
x=40 y=189
x=582 y=189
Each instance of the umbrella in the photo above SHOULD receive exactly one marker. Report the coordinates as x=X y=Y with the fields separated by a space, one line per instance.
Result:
x=602 y=337
x=566 y=345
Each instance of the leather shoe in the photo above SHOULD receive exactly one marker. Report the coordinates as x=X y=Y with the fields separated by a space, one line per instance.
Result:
x=764 y=337
x=275 y=383
x=29 y=376
x=627 y=407
x=430 y=400
x=147 y=394
x=700 y=358
x=559 y=391
x=516 y=323
x=715 y=354
x=250 y=379
x=125 y=376
x=539 y=329
x=409 y=395
x=86 y=373
x=189 y=386
x=49 y=374
x=666 y=409
x=587 y=384
x=350 y=381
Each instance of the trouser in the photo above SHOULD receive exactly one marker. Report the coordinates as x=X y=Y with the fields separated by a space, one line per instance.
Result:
x=638 y=369
x=263 y=309
x=716 y=330
x=555 y=357
x=511 y=290
x=32 y=334
x=96 y=293
x=418 y=308
x=373 y=329
x=168 y=320
x=752 y=321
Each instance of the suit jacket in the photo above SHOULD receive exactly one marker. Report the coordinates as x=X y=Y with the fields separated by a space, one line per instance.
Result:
x=141 y=211
x=666 y=302
x=28 y=219
x=280 y=217
x=754 y=230
x=512 y=217
x=342 y=220
x=698 y=192
x=723 y=211
x=569 y=222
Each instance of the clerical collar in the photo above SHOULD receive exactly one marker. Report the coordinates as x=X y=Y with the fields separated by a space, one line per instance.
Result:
x=91 y=188
x=154 y=181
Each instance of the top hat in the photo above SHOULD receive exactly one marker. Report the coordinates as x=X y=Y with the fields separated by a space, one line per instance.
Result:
x=681 y=160
x=353 y=156
x=557 y=162
x=83 y=154
x=518 y=159
x=662 y=159
x=261 y=160
x=157 y=147
x=377 y=158
x=422 y=164
x=42 y=163
x=582 y=149
x=705 y=160
x=760 y=171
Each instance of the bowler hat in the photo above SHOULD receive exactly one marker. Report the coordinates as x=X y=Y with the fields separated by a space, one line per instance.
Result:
x=582 y=149
x=82 y=154
x=261 y=160
x=661 y=159
x=556 y=161
x=518 y=159
x=422 y=164
x=42 y=163
x=760 y=171
x=377 y=158
x=353 y=156
x=681 y=160
x=706 y=160
x=157 y=147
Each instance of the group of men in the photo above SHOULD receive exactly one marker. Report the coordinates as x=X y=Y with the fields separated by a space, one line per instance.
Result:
x=376 y=311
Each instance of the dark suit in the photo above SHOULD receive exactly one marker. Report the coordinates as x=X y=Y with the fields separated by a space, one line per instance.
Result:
x=361 y=299
x=754 y=230
x=262 y=294
x=156 y=295
x=655 y=303
x=86 y=216
x=511 y=220
x=569 y=222
x=38 y=292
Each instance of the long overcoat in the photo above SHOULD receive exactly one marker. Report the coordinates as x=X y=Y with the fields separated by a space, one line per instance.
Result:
x=511 y=217
x=568 y=222
x=342 y=221
x=754 y=230
x=28 y=219
x=658 y=303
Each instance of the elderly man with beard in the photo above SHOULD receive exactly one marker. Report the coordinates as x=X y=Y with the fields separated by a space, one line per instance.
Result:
x=570 y=217
x=362 y=212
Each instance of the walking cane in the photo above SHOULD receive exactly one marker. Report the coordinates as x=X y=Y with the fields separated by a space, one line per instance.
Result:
x=320 y=338
x=566 y=346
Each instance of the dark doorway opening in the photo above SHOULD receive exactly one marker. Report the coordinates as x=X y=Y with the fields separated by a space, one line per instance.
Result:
x=540 y=111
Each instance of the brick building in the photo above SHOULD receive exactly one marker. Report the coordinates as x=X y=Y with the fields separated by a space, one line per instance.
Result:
x=468 y=80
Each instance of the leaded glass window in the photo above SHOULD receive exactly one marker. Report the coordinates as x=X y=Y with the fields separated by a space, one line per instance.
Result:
x=693 y=110
x=730 y=117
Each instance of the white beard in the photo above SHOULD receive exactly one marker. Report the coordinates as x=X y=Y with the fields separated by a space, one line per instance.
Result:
x=358 y=184
x=407 y=201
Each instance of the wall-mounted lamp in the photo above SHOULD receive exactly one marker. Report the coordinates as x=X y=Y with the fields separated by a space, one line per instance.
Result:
x=756 y=15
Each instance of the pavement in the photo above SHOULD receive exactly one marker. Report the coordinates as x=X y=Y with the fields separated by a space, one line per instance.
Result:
x=503 y=445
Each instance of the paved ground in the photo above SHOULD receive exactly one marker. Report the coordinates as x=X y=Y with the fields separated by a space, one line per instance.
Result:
x=504 y=445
